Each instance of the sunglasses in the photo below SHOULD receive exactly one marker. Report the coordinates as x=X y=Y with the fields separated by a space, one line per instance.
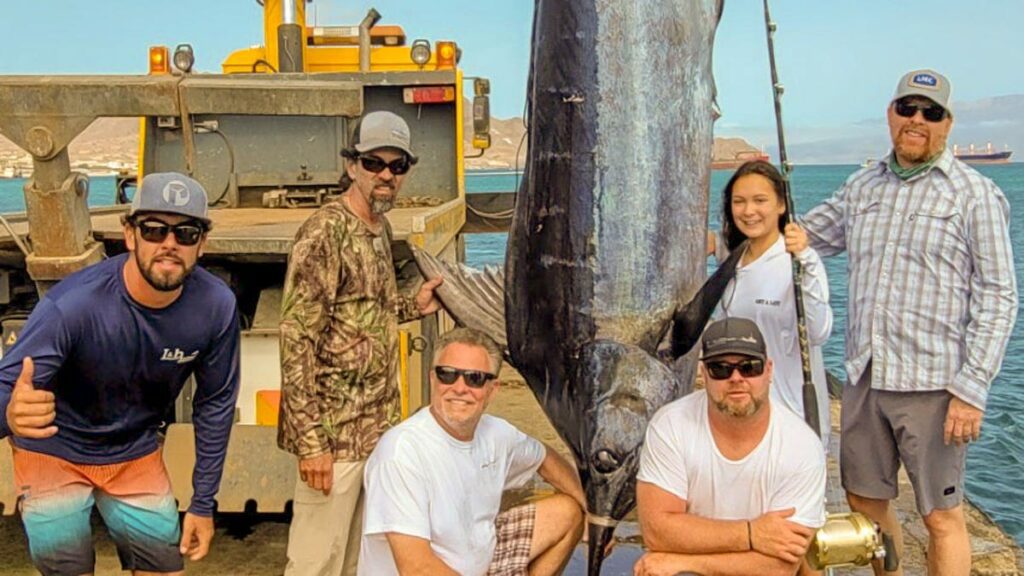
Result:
x=721 y=370
x=472 y=378
x=931 y=112
x=398 y=166
x=187 y=233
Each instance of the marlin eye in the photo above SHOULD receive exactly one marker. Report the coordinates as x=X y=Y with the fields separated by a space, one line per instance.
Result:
x=606 y=461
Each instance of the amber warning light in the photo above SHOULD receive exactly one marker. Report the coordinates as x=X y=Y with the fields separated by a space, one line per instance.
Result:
x=428 y=94
x=446 y=55
x=159 y=60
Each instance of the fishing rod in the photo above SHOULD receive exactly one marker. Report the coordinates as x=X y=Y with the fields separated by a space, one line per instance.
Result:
x=851 y=538
x=810 y=396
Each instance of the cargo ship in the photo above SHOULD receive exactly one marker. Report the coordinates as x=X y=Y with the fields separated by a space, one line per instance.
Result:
x=987 y=155
x=740 y=158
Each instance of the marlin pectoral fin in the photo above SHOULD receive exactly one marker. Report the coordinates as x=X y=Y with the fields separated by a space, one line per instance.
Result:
x=688 y=323
x=475 y=298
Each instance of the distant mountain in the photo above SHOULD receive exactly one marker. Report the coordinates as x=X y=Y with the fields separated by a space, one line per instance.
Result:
x=507 y=141
x=106 y=143
x=998 y=120
x=508 y=146
x=106 y=135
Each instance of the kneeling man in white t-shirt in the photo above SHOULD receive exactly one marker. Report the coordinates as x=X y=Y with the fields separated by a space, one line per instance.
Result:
x=434 y=482
x=729 y=483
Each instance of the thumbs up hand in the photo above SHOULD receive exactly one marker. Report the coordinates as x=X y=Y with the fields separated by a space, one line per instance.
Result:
x=30 y=412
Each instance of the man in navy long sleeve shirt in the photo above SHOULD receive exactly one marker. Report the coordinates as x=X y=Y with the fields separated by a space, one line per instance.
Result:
x=100 y=361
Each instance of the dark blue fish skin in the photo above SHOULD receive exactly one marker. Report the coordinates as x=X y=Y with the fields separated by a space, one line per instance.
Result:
x=608 y=238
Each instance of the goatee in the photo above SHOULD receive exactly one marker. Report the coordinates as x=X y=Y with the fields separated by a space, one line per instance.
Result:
x=163 y=283
x=380 y=205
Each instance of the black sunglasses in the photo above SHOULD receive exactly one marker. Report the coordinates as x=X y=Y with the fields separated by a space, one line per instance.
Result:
x=187 y=233
x=472 y=378
x=398 y=166
x=932 y=112
x=721 y=370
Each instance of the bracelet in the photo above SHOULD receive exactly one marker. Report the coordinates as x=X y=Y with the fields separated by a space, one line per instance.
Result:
x=750 y=537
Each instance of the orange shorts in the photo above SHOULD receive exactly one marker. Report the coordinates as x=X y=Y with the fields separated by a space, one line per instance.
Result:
x=134 y=498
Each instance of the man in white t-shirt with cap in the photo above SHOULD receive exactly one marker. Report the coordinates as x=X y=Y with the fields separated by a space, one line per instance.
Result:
x=729 y=483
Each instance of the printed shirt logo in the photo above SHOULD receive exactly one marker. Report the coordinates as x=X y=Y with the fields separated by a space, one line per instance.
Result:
x=925 y=80
x=178 y=356
x=177 y=193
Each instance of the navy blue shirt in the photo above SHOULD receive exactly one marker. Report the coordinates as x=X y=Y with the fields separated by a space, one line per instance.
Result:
x=116 y=367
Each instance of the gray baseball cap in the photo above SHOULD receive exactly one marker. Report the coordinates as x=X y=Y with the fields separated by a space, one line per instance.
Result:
x=733 y=336
x=383 y=129
x=170 y=193
x=927 y=83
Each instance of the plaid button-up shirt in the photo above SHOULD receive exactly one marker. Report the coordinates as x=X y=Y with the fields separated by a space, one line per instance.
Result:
x=932 y=290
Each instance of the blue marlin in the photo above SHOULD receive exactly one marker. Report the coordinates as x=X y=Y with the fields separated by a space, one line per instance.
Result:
x=606 y=253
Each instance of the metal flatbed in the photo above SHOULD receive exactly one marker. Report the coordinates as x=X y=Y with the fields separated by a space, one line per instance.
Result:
x=267 y=233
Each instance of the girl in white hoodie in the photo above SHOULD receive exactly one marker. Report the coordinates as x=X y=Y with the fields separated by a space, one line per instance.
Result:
x=754 y=209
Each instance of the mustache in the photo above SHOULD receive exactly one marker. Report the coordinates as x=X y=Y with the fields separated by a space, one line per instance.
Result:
x=169 y=256
x=917 y=128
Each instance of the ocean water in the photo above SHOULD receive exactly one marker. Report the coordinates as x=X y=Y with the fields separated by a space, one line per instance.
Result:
x=995 y=463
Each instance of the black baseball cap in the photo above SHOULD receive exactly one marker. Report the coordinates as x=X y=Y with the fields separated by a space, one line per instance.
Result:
x=733 y=336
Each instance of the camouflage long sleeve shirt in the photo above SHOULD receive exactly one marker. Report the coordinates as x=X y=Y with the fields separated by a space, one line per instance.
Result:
x=339 y=337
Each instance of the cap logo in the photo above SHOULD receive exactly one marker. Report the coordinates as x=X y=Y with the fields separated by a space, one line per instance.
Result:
x=925 y=79
x=746 y=339
x=177 y=193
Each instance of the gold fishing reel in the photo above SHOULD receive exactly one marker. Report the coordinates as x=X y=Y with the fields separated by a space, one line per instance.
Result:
x=850 y=539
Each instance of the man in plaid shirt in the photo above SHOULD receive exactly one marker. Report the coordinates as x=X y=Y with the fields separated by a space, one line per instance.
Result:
x=932 y=302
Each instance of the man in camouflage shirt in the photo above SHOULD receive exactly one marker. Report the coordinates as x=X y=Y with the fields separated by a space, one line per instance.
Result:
x=339 y=347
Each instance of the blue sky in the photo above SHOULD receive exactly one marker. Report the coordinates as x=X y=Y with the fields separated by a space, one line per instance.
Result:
x=839 y=59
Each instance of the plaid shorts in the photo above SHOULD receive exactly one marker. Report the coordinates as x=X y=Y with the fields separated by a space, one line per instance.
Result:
x=514 y=529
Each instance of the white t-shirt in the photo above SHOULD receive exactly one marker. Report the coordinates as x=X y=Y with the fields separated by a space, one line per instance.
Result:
x=763 y=292
x=785 y=470
x=422 y=482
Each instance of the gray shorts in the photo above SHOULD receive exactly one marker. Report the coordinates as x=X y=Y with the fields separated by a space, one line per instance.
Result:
x=881 y=428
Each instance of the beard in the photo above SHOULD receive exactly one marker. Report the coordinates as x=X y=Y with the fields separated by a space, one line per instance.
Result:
x=382 y=204
x=916 y=153
x=739 y=410
x=164 y=282
x=913 y=156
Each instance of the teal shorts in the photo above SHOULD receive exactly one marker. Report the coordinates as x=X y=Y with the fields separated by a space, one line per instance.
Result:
x=56 y=498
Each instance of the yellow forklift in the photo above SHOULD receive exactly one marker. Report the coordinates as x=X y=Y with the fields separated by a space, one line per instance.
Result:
x=263 y=137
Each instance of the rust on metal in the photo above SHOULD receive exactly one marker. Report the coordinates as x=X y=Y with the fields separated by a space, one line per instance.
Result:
x=53 y=268
x=43 y=114
x=283 y=95
x=251 y=472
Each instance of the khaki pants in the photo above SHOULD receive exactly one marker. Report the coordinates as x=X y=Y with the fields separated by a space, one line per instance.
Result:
x=326 y=530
